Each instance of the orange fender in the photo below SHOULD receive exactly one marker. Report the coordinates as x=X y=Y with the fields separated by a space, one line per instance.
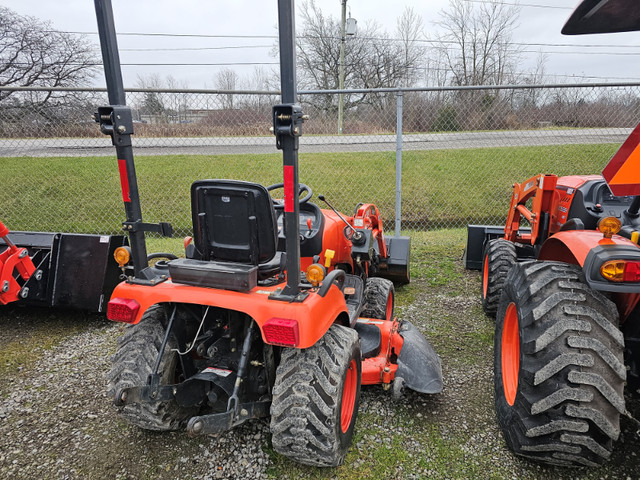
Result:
x=574 y=246
x=314 y=315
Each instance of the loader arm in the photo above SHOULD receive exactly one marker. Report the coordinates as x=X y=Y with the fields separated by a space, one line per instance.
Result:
x=15 y=264
x=541 y=189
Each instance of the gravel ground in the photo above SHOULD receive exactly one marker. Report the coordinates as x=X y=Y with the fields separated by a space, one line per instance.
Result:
x=56 y=421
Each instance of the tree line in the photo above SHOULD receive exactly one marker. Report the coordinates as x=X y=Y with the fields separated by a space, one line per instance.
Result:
x=472 y=45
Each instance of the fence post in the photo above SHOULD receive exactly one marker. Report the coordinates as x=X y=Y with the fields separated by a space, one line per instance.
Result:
x=399 y=95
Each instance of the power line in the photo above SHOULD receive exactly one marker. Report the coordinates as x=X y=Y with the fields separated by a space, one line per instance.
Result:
x=428 y=40
x=519 y=4
x=181 y=49
x=157 y=64
x=154 y=34
x=526 y=44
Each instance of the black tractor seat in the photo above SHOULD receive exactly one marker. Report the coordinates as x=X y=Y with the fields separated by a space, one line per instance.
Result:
x=234 y=237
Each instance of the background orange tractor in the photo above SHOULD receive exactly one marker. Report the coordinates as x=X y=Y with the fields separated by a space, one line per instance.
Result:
x=562 y=278
x=237 y=329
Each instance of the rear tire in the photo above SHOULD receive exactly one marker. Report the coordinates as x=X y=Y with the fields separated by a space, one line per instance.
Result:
x=499 y=256
x=133 y=362
x=379 y=299
x=316 y=397
x=558 y=365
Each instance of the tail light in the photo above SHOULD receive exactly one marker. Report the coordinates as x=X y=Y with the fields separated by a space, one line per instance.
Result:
x=122 y=310
x=621 y=271
x=281 y=331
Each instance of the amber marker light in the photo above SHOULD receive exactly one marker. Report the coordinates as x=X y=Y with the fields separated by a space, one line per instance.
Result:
x=315 y=274
x=122 y=255
x=609 y=226
x=621 y=271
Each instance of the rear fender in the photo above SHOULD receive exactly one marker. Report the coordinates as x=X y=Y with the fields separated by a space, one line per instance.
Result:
x=573 y=246
x=590 y=250
x=314 y=315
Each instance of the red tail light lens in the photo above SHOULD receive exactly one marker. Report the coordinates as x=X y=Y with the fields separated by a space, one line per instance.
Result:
x=281 y=331
x=632 y=272
x=122 y=310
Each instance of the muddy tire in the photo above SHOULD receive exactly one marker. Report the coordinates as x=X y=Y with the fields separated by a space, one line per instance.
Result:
x=316 y=397
x=379 y=299
x=499 y=256
x=558 y=365
x=133 y=362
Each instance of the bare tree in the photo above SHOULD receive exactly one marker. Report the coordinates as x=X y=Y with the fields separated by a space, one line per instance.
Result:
x=372 y=59
x=32 y=53
x=476 y=42
x=409 y=29
x=153 y=107
x=228 y=80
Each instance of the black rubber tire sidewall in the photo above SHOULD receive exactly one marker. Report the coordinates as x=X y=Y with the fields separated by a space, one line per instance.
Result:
x=133 y=362
x=298 y=422
x=546 y=296
x=498 y=257
x=377 y=293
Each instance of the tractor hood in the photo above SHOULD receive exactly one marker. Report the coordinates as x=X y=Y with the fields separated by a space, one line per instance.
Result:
x=603 y=16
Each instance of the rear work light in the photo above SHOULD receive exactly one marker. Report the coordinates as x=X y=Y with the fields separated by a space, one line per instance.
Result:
x=281 y=331
x=122 y=310
x=621 y=271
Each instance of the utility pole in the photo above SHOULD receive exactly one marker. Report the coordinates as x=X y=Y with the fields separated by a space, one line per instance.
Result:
x=341 y=65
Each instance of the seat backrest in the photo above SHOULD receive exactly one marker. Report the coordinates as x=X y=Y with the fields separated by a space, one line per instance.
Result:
x=233 y=221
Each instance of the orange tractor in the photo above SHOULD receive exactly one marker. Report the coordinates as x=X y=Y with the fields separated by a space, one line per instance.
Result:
x=279 y=308
x=562 y=278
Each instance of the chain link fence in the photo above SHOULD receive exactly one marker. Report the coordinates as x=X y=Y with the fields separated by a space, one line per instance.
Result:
x=459 y=150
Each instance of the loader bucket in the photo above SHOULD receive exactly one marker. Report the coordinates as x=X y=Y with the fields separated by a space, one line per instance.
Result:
x=396 y=266
x=418 y=363
x=73 y=270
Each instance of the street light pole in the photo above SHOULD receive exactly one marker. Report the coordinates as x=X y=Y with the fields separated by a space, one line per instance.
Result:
x=341 y=65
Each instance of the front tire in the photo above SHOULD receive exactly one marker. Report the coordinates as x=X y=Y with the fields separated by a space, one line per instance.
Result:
x=379 y=299
x=499 y=256
x=133 y=362
x=316 y=397
x=558 y=366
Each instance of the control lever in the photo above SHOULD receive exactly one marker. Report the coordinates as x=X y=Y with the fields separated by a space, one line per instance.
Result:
x=357 y=235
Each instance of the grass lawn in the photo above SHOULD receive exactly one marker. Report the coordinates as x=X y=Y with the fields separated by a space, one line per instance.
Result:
x=440 y=188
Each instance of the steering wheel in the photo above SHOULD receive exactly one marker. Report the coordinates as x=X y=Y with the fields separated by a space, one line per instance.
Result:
x=279 y=204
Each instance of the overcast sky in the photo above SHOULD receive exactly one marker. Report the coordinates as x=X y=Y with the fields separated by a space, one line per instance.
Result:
x=569 y=59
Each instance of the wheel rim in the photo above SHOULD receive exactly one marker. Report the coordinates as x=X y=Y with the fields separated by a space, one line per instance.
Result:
x=485 y=275
x=349 y=396
x=510 y=353
x=389 y=312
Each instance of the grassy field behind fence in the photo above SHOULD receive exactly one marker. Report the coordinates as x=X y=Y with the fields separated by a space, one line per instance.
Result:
x=440 y=188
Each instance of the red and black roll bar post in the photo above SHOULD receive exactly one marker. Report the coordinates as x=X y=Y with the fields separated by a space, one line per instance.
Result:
x=116 y=120
x=287 y=127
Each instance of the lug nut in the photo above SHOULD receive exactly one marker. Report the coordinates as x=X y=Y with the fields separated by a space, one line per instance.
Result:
x=197 y=427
